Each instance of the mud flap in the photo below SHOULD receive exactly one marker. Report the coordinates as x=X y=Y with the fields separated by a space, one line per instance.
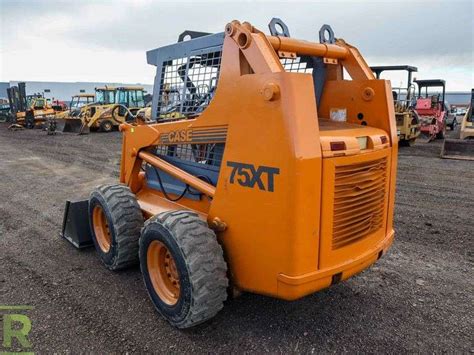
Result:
x=458 y=149
x=76 y=228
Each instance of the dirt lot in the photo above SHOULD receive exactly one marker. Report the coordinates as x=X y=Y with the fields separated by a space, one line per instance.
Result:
x=419 y=297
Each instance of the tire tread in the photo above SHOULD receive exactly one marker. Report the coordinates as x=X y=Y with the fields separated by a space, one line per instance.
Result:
x=204 y=257
x=127 y=222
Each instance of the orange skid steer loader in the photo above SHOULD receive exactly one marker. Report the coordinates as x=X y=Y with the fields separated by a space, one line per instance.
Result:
x=264 y=170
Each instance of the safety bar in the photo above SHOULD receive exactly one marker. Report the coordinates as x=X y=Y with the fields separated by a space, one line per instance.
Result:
x=286 y=44
x=180 y=174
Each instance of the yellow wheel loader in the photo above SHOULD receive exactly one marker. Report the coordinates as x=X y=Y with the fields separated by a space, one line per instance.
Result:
x=408 y=122
x=269 y=173
x=463 y=147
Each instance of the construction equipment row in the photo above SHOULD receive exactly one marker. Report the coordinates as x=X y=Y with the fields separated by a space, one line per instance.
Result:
x=108 y=108
x=265 y=164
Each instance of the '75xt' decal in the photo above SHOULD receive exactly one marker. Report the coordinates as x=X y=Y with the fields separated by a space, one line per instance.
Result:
x=248 y=175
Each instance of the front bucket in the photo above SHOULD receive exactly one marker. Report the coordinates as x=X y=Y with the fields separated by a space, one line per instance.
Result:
x=458 y=149
x=76 y=227
x=60 y=123
x=72 y=125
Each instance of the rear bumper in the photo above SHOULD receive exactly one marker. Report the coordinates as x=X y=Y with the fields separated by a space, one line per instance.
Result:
x=294 y=287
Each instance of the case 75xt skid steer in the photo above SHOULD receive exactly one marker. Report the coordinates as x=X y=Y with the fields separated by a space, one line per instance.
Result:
x=274 y=175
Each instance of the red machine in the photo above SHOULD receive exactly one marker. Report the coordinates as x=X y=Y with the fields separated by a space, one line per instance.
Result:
x=431 y=108
x=59 y=105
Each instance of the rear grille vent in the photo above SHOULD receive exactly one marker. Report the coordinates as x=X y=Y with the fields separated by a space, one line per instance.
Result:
x=359 y=197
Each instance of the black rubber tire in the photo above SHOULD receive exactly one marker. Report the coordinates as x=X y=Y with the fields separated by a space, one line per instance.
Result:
x=200 y=263
x=125 y=221
x=106 y=126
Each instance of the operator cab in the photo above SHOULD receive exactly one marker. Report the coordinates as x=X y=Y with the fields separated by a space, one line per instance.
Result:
x=81 y=100
x=131 y=97
x=427 y=99
x=105 y=95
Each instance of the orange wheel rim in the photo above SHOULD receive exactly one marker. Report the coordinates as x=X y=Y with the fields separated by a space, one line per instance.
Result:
x=163 y=273
x=101 y=229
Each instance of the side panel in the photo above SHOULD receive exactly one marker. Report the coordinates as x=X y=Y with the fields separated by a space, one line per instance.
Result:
x=271 y=230
x=368 y=102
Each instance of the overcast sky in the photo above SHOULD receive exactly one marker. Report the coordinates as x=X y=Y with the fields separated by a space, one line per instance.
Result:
x=106 y=41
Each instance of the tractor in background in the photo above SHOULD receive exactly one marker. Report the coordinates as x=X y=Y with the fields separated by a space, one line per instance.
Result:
x=68 y=121
x=29 y=111
x=431 y=109
x=128 y=100
x=113 y=106
x=59 y=106
x=408 y=123
x=82 y=106
x=77 y=102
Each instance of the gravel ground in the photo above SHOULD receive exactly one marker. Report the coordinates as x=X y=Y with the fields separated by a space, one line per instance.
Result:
x=417 y=298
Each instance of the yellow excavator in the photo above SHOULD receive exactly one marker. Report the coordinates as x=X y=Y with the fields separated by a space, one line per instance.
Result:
x=462 y=147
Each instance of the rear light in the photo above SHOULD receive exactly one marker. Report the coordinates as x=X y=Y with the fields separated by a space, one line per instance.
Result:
x=338 y=146
x=362 y=142
x=384 y=139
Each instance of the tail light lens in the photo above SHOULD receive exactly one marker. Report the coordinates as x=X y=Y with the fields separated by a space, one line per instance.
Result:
x=338 y=146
